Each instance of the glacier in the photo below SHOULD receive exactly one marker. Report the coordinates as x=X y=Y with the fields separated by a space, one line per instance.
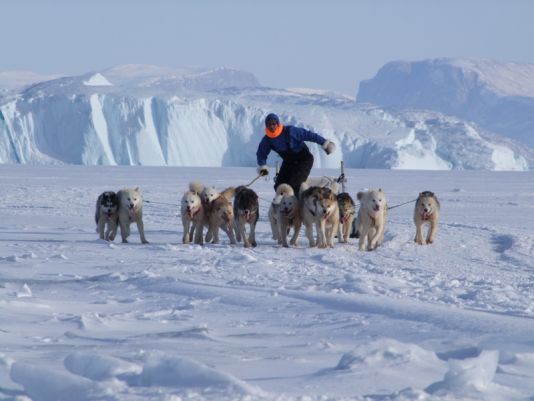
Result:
x=156 y=116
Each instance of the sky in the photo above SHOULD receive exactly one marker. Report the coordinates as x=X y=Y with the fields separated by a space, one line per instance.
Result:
x=330 y=45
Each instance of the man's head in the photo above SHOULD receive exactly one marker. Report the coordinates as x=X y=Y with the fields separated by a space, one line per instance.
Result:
x=271 y=122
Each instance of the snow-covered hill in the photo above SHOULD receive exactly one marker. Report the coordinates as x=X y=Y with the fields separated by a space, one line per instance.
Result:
x=496 y=95
x=149 y=115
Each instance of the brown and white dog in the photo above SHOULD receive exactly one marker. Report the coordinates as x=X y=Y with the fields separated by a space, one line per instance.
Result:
x=371 y=219
x=131 y=210
x=192 y=212
x=220 y=214
x=274 y=209
x=319 y=207
x=426 y=211
x=347 y=210
x=107 y=215
x=246 y=211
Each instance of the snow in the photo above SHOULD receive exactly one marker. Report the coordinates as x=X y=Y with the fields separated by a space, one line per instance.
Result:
x=97 y=80
x=498 y=96
x=83 y=319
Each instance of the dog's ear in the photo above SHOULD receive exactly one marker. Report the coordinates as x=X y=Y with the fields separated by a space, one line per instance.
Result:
x=359 y=195
x=379 y=189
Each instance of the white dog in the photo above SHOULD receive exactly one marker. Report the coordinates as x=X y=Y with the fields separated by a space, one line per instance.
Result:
x=192 y=212
x=371 y=219
x=274 y=209
x=131 y=210
x=207 y=194
x=289 y=216
x=426 y=212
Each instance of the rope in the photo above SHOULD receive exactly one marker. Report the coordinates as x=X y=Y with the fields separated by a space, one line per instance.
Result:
x=254 y=180
x=401 y=204
x=160 y=203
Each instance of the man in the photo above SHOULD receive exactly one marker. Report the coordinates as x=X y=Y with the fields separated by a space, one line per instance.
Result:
x=288 y=142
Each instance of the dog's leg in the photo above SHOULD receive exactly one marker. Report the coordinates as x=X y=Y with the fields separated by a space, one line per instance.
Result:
x=378 y=236
x=215 y=233
x=101 y=226
x=125 y=229
x=114 y=226
x=252 y=235
x=362 y=239
x=231 y=233
x=346 y=228
x=341 y=232
x=321 y=233
x=199 y=227
x=432 y=231
x=141 y=229
x=419 y=234
x=186 y=238
x=309 y=234
x=237 y=223
x=209 y=234
x=242 y=232
x=295 y=238
x=274 y=225
x=283 y=232
x=334 y=229
x=109 y=229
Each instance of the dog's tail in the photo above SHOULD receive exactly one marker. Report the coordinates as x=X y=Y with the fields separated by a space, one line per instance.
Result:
x=196 y=187
x=228 y=193
x=281 y=191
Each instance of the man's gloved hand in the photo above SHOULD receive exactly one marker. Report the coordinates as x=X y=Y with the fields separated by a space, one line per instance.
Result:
x=329 y=146
x=263 y=170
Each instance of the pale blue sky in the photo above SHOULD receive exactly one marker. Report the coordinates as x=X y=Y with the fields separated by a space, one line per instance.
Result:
x=331 y=44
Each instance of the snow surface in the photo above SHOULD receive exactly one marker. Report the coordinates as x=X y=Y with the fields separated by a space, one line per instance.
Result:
x=83 y=319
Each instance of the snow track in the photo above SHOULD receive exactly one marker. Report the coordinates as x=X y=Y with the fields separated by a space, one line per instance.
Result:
x=83 y=319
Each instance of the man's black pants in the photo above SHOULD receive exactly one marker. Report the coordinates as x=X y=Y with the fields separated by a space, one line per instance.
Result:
x=295 y=170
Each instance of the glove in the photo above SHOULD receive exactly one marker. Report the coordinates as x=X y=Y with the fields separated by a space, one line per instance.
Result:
x=263 y=170
x=329 y=146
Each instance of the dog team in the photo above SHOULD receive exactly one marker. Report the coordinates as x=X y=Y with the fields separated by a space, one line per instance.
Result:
x=319 y=207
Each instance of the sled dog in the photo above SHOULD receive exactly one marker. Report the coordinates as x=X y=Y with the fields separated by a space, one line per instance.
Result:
x=281 y=191
x=131 y=210
x=107 y=215
x=289 y=216
x=324 y=182
x=220 y=214
x=192 y=212
x=347 y=210
x=426 y=212
x=246 y=211
x=319 y=207
x=207 y=194
x=371 y=219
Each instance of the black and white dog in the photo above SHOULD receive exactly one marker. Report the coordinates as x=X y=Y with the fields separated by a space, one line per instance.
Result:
x=107 y=215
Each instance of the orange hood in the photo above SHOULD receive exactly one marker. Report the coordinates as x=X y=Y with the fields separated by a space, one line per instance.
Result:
x=276 y=133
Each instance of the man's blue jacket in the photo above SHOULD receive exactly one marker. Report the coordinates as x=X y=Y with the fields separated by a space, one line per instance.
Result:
x=290 y=141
